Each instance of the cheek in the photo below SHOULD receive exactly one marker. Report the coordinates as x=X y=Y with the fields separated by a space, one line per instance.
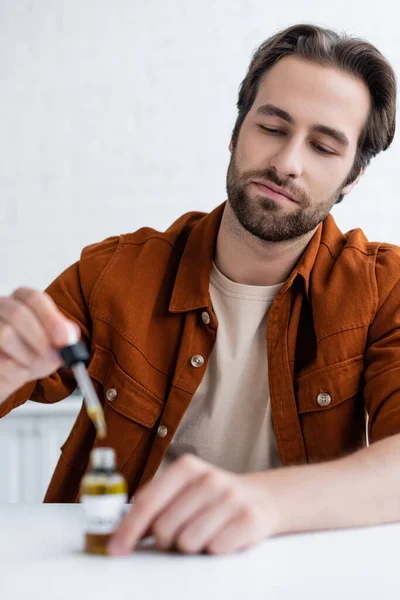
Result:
x=326 y=177
x=250 y=141
x=253 y=153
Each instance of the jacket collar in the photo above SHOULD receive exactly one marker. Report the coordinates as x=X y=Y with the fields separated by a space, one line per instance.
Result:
x=192 y=280
x=191 y=287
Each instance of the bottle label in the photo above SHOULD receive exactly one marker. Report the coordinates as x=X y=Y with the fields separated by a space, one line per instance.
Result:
x=103 y=513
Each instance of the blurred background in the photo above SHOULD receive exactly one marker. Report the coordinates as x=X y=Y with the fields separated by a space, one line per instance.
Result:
x=116 y=114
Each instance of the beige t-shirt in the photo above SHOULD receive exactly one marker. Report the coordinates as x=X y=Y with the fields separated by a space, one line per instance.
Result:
x=228 y=422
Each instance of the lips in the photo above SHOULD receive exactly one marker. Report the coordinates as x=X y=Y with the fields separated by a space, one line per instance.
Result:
x=270 y=186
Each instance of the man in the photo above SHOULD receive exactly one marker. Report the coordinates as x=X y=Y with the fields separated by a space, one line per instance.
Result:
x=252 y=338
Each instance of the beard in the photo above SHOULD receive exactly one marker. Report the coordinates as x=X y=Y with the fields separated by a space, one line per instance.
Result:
x=266 y=219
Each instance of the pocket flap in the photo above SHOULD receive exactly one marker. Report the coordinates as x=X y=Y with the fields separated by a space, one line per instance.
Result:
x=341 y=381
x=132 y=399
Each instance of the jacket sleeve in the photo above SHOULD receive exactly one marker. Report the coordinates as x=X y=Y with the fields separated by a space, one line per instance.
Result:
x=71 y=291
x=382 y=355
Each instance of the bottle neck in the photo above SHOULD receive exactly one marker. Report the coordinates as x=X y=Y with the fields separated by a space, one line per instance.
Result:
x=103 y=470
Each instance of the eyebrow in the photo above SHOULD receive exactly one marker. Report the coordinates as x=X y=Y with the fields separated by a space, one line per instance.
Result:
x=274 y=111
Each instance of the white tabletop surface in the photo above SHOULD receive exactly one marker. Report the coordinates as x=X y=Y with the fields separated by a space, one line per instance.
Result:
x=41 y=558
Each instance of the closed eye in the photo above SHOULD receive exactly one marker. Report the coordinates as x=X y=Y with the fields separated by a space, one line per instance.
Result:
x=322 y=149
x=317 y=147
x=270 y=129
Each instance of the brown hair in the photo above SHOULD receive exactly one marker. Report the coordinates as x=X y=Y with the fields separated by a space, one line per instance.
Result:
x=351 y=55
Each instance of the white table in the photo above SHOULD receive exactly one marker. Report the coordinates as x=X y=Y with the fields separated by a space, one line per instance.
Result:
x=41 y=558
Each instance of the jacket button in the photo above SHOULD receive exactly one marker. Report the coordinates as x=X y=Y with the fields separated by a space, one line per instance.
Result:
x=197 y=360
x=324 y=399
x=205 y=317
x=162 y=431
x=111 y=394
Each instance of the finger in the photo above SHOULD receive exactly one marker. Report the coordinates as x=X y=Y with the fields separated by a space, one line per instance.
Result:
x=18 y=316
x=150 y=501
x=198 y=531
x=205 y=490
x=241 y=532
x=148 y=531
x=11 y=370
x=50 y=317
x=13 y=347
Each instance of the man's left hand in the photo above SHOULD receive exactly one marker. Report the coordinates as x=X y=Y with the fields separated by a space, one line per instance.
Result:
x=194 y=506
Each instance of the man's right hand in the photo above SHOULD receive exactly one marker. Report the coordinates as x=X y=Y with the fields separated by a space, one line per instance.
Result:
x=32 y=328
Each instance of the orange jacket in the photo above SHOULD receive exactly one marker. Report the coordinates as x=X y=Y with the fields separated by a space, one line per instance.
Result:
x=333 y=342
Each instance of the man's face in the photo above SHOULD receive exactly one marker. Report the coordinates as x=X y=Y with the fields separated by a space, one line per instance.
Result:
x=301 y=136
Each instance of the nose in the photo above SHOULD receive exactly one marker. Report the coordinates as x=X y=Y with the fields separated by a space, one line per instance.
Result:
x=287 y=160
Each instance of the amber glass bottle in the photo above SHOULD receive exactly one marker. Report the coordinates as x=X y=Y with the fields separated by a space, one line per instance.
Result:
x=103 y=494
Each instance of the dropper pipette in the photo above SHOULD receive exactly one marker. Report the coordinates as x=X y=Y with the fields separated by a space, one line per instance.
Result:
x=75 y=356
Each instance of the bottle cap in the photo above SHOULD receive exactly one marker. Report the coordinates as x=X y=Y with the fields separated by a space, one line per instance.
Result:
x=77 y=353
x=103 y=458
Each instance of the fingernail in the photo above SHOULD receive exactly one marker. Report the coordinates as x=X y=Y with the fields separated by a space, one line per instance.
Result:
x=77 y=329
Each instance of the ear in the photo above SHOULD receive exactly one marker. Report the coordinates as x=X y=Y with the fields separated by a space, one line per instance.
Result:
x=230 y=147
x=351 y=185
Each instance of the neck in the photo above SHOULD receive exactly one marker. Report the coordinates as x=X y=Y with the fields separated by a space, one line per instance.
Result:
x=246 y=259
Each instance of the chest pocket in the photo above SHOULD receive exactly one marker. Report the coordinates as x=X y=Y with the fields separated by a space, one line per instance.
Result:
x=130 y=410
x=122 y=394
x=331 y=410
x=326 y=388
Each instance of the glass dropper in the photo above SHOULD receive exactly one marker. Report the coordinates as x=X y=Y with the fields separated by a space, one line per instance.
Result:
x=75 y=356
